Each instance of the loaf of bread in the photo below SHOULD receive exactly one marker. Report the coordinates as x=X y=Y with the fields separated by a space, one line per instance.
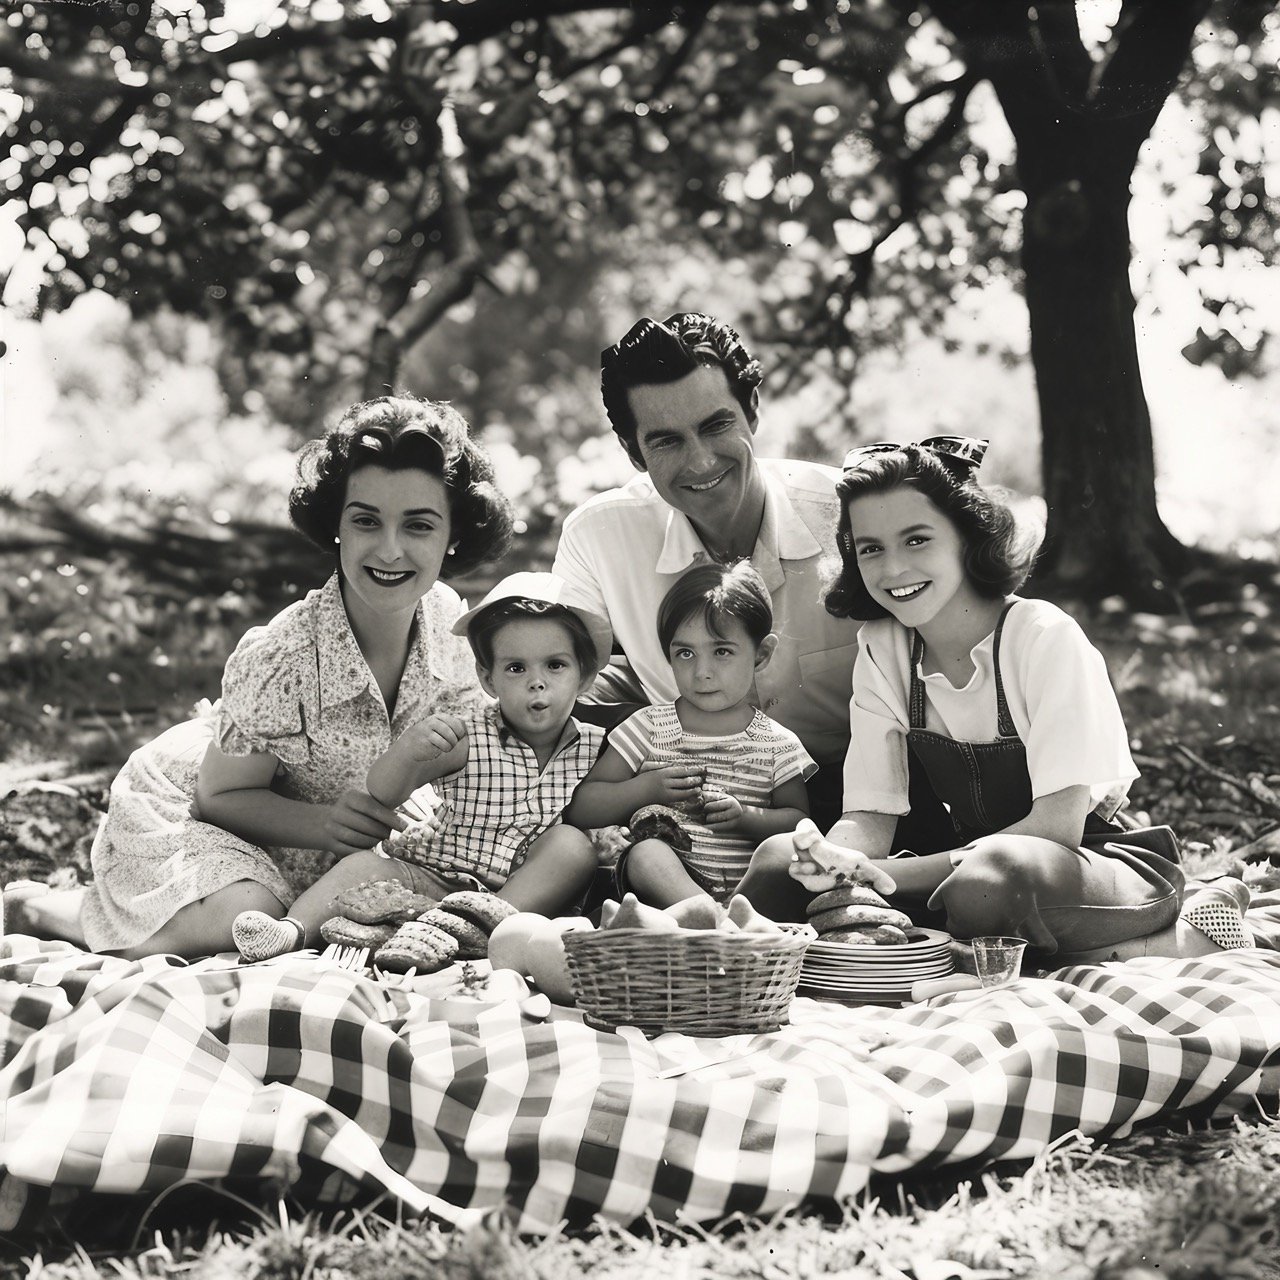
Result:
x=415 y=945
x=382 y=901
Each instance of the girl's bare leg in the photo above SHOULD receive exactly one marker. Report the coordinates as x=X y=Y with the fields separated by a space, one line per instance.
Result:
x=657 y=876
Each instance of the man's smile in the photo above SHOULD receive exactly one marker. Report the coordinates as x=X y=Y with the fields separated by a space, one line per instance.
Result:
x=703 y=485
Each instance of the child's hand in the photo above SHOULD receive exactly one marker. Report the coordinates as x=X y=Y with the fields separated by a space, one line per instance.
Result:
x=720 y=809
x=678 y=785
x=434 y=737
x=416 y=837
x=820 y=865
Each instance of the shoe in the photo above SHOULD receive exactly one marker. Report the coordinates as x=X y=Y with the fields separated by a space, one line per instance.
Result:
x=259 y=936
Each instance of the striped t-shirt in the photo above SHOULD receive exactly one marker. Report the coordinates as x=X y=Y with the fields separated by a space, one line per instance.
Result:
x=748 y=765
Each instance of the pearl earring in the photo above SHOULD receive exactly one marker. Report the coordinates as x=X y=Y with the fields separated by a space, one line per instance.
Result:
x=336 y=540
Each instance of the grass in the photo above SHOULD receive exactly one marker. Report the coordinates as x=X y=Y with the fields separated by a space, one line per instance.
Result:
x=1197 y=1205
x=1179 y=1202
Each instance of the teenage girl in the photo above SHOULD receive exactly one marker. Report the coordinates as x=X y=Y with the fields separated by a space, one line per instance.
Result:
x=1006 y=707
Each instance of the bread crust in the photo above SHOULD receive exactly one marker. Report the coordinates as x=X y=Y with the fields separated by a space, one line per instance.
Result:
x=854 y=916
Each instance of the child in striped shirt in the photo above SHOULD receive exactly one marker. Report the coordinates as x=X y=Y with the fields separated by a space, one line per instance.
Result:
x=732 y=775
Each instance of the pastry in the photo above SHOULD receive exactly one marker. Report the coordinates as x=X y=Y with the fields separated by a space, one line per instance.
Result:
x=853 y=916
x=415 y=945
x=473 y=942
x=847 y=895
x=660 y=822
x=882 y=935
x=485 y=910
x=351 y=933
x=380 y=901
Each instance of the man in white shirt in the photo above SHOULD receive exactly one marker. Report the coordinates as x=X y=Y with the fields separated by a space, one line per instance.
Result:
x=682 y=397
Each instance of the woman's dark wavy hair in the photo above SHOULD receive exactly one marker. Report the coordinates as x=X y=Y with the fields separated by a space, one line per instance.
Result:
x=398 y=432
x=654 y=354
x=998 y=552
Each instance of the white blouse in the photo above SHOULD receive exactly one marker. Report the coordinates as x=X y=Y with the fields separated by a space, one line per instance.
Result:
x=1057 y=689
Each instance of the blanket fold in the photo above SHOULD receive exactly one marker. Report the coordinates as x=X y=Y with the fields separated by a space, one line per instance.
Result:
x=129 y=1077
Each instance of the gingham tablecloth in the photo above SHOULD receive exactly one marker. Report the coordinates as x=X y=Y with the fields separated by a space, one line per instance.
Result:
x=129 y=1077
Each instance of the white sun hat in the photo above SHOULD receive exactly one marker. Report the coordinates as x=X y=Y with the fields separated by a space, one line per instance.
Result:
x=549 y=589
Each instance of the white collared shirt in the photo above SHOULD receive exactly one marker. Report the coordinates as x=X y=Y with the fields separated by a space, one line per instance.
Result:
x=621 y=551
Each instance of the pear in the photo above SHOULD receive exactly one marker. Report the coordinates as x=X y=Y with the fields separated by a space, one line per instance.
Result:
x=701 y=911
x=634 y=914
x=509 y=941
x=748 y=919
x=547 y=963
x=608 y=909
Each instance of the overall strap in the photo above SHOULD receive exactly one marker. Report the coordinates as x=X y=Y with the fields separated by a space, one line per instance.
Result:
x=1004 y=721
x=915 y=718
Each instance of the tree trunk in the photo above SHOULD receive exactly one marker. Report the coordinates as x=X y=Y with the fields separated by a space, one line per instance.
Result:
x=1105 y=535
x=1078 y=123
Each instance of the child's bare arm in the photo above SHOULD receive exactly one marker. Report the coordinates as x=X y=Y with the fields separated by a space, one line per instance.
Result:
x=612 y=791
x=424 y=752
x=787 y=807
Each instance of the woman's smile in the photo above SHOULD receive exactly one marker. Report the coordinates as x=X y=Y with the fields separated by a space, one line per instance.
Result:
x=389 y=577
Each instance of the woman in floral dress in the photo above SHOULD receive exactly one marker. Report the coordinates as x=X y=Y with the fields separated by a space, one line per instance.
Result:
x=254 y=800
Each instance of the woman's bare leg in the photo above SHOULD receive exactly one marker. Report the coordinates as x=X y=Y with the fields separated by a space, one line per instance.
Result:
x=54 y=915
x=203 y=928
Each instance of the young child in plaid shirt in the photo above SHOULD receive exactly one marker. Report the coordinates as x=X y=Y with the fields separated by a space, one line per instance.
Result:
x=732 y=775
x=505 y=772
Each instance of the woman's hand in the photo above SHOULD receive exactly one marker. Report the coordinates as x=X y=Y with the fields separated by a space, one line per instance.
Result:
x=434 y=737
x=355 y=821
x=820 y=865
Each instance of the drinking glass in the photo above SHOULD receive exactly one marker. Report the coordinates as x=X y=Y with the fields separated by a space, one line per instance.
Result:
x=998 y=960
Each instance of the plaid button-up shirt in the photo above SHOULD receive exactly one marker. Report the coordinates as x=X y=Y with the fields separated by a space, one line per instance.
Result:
x=501 y=800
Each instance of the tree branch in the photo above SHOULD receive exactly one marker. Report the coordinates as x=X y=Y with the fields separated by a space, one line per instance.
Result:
x=1150 y=54
x=861 y=265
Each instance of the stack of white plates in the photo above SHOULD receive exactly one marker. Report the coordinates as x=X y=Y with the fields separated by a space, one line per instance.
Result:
x=854 y=973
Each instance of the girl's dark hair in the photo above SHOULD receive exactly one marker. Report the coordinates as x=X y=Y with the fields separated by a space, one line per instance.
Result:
x=717 y=592
x=998 y=552
x=488 y=622
x=399 y=432
x=653 y=354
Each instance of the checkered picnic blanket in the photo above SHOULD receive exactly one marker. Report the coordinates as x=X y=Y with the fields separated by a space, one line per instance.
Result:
x=129 y=1077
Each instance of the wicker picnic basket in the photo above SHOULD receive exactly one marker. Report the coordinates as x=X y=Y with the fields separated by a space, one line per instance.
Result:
x=699 y=981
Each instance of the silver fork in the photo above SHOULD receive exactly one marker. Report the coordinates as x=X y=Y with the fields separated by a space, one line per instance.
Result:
x=354 y=958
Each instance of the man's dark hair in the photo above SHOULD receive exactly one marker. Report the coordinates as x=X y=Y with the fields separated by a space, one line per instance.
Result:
x=654 y=353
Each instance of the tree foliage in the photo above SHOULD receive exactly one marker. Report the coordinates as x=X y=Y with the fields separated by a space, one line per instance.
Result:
x=327 y=184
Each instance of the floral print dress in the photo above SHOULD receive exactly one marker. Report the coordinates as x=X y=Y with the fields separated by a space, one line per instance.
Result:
x=300 y=689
